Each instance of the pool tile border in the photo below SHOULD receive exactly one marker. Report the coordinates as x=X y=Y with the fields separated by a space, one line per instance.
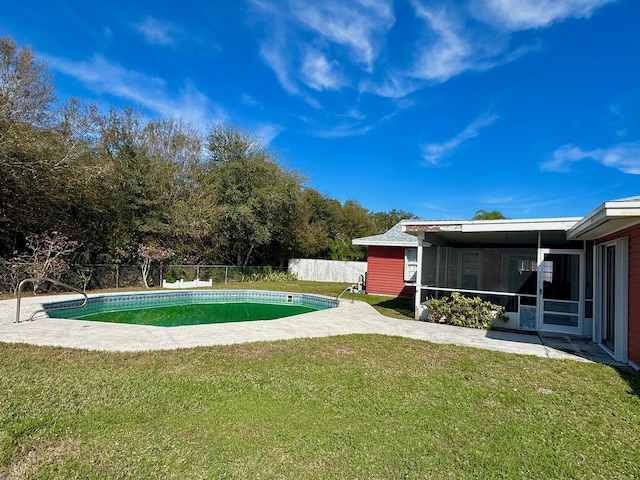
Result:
x=128 y=301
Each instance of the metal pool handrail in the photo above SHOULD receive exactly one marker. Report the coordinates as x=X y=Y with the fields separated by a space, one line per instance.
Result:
x=50 y=280
x=348 y=289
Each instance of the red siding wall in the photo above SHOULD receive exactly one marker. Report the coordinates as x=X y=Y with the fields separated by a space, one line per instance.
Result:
x=385 y=272
x=634 y=288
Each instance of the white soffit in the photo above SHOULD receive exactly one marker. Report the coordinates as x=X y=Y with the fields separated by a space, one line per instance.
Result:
x=384 y=243
x=608 y=218
x=511 y=225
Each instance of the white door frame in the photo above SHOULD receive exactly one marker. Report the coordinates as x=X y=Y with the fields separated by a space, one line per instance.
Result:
x=560 y=328
x=621 y=332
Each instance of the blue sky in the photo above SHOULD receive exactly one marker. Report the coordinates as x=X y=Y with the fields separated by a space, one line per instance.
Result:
x=441 y=108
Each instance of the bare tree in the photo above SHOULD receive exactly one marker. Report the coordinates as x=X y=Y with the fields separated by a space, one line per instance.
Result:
x=149 y=253
x=26 y=90
x=48 y=255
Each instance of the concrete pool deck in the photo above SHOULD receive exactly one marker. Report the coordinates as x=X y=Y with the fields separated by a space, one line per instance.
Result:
x=348 y=318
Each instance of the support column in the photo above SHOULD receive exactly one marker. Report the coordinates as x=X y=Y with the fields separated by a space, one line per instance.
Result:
x=417 y=307
x=539 y=306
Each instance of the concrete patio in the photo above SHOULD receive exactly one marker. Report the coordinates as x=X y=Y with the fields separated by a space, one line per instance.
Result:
x=348 y=318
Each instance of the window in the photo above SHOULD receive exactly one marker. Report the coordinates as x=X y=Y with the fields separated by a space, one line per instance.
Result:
x=519 y=272
x=410 y=264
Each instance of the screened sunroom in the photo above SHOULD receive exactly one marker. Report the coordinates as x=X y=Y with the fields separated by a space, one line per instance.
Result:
x=528 y=266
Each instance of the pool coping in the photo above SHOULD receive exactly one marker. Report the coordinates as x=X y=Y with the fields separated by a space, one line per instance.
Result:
x=79 y=308
x=346 y=319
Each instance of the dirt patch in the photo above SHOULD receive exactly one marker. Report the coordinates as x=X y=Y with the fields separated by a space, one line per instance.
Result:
x=45 y=454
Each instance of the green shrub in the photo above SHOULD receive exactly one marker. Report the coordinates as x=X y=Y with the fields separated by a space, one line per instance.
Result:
x=173 y=273
x=464 y=311
x=268 y=275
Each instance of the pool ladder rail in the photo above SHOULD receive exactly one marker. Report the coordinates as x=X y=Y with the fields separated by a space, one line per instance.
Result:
x=43 y=280
x=350 y=288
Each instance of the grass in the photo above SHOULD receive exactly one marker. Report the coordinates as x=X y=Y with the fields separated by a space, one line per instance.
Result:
x=358 y=406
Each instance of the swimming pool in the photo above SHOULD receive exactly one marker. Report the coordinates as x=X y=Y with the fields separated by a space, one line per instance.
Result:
x=170 y=309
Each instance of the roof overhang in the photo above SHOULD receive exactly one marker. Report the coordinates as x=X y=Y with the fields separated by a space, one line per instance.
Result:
x=495 y=232
x=370 y=241
x=394 y=237
x=608 y=218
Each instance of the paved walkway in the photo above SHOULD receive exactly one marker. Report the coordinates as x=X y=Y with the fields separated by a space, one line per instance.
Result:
x=348 y=318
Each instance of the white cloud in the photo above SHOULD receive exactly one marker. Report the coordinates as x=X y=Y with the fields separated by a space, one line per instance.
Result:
x=318 y=72
x=352 y=46
x=523 y=205
x=354 y=114
x=514 y=15
x=151 y=93
x=158 y=32
x=392 y=85
x=491 y=200
x=453 y=44
x=434 y=152
x=563 y=157
x=276 y=57
x=303 y=36
x=343 y=130
x=478 y=37
x=449 y=54
x=624 y=157
x=358 y=25
x=457 y=37
x=251 y=101
x=267 y=132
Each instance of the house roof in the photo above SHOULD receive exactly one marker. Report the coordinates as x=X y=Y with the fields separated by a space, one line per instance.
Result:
x=504 y=225
x=608 y=218
x=394 y=237
x=503 y=232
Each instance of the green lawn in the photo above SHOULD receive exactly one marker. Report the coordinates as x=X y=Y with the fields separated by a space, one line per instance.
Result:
x=343 y=407
x=357 y=406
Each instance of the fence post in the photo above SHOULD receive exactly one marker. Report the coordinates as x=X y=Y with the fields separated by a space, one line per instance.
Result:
x=117 y=276
x=226 y=273
x=197 y=272
x=160 y=274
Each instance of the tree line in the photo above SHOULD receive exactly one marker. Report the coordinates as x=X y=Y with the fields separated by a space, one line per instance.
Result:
x=122 y=189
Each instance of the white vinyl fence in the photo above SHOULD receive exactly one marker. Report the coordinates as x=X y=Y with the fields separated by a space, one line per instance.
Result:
x=328 y=270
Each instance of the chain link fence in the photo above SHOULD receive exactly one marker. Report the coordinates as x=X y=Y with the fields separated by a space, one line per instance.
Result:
x=113 y=276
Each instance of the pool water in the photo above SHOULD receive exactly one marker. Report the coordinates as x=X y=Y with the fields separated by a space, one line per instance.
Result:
x=172 y=309
x=195 y=314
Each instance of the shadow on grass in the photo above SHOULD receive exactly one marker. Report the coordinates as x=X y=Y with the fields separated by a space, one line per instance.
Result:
x=400 y=306
x=632 y=378
x=585 y=348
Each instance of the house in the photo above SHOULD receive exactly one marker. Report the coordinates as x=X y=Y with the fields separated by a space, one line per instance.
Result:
x=577 y=276
x=613 y=230
x=391 y=262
